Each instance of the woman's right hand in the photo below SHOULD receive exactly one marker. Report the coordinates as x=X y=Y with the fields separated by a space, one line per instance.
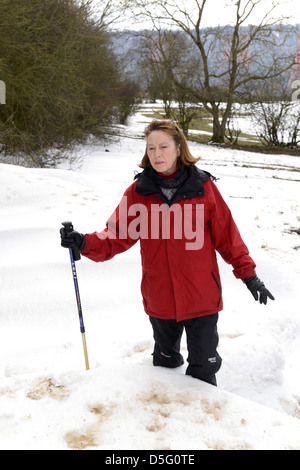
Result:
x=72 y=239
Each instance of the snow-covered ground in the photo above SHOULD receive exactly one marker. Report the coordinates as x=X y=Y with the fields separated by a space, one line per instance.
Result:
x=47 y=398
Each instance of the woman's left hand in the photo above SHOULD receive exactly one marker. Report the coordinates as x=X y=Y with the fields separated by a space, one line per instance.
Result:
x=258 y=289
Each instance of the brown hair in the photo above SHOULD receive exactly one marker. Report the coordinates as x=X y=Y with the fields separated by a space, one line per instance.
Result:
x=171 y=128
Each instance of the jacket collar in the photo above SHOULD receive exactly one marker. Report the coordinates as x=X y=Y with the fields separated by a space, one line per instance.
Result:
x=192 y=184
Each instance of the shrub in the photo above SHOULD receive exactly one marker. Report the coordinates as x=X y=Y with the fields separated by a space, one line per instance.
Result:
x=62 y=79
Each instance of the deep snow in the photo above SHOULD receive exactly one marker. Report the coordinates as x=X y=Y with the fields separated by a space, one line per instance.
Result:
x=49 y=401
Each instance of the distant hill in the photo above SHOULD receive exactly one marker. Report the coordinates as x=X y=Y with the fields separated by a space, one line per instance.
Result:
x=126 y=46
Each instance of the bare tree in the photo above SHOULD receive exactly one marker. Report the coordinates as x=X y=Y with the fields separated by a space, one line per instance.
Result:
x=165 y=54
x=155 y=65
x=232 y=59
x=277 y=122
x=108 y=13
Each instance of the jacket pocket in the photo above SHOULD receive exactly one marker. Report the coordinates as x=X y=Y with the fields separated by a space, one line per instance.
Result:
x=218 y=285
x=143 y=289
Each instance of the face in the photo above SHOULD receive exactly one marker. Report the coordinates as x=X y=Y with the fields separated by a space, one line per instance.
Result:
x=162 y=152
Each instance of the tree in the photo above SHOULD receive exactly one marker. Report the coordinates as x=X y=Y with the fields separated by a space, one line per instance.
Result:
x=62 y=78
x=232 y=58
x=277 y=122
x=164 y=55
x=128 y=99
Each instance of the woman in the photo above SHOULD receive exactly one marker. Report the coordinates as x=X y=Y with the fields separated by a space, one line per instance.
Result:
x=177 y=213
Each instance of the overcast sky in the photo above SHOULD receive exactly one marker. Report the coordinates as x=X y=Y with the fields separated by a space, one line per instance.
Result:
x=217 y=13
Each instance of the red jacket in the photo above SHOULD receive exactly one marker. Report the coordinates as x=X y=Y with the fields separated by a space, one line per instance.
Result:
x=178 y=241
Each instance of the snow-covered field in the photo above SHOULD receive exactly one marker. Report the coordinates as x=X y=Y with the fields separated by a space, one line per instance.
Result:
x=47 y=398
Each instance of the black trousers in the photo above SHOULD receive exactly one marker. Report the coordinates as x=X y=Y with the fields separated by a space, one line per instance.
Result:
x=202 y=342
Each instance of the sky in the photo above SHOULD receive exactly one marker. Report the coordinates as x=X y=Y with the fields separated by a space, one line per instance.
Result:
x=215 y=12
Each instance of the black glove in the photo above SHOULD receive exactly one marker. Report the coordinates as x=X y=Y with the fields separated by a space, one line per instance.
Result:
x=258 y=289
x=73 y=239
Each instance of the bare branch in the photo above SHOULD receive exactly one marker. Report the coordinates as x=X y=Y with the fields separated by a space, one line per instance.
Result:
x=237 y=48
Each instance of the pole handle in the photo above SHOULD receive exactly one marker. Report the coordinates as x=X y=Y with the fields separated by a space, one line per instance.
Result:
x=69 y=228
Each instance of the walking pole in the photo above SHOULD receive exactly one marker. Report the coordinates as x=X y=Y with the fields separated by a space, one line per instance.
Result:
x=75 y=256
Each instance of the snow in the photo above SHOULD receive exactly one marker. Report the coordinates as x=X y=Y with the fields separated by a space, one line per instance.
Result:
x=47 y=398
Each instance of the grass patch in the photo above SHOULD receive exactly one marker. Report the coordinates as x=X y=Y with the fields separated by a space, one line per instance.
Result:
x=203 y=123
